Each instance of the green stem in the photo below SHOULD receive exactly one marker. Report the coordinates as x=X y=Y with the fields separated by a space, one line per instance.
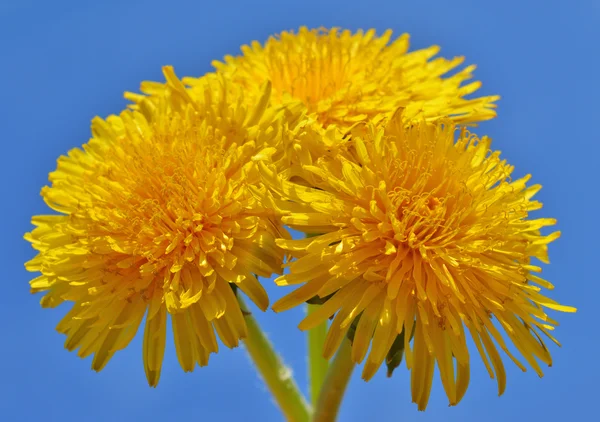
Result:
x=276 y=375
x=334 y=387
x=317 y=364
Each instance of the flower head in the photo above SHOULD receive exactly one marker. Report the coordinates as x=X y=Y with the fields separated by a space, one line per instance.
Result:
x=419 y=234
x=156 y=217
x=344 y=77
x=325 y=81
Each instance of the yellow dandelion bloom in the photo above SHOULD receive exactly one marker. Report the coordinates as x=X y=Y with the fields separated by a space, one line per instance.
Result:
x=344 y=77
x=324 y=82
x=155 y=217
x=419 y=234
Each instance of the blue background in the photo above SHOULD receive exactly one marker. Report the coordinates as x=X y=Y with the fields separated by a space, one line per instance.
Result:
x=63 y=62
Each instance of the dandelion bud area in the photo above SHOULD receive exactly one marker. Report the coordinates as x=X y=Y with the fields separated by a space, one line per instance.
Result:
x=418 y=238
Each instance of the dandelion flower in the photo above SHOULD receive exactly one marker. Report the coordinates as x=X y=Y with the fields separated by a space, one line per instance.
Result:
x=419 y=234
x=325 y=81
x=155 y=217
x=344 y=77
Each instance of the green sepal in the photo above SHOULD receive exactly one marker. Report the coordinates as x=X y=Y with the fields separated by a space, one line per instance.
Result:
x=316 y=300
x=395 y=354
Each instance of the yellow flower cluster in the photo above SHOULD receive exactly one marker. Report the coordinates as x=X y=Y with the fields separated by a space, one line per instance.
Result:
x=420 y=236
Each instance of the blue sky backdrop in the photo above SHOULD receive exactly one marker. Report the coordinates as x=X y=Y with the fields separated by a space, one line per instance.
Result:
x=64 y=62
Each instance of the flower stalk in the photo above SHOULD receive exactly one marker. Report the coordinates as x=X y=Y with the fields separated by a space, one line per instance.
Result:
x=334 y=386
x=317 y=364
x=275 y=374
